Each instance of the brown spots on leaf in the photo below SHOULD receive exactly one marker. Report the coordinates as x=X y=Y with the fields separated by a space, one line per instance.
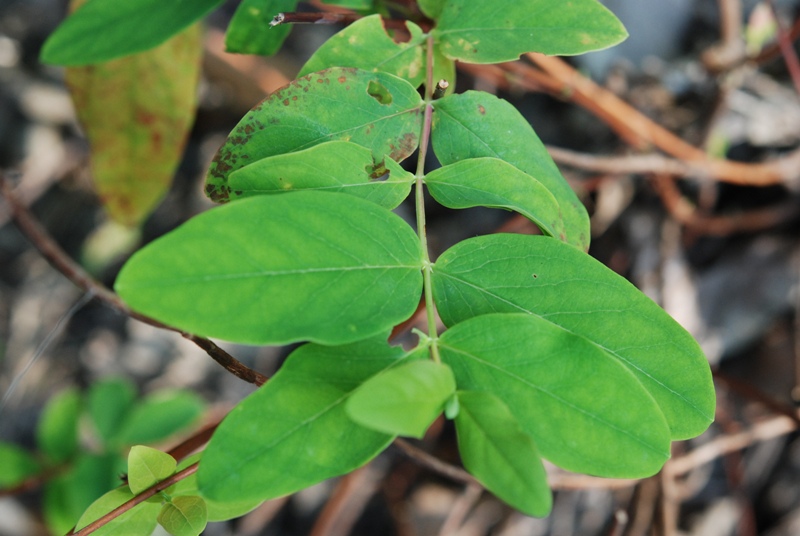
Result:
x=218 y=193
x=286 y=102
x=342 y=79
x=481 y=109
x=377 y=170
x=405 y=146
x=145 y=118
x=237 y=140
x=248 y=129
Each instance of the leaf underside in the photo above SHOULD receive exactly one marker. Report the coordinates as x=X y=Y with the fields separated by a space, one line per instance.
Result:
x=136 y=112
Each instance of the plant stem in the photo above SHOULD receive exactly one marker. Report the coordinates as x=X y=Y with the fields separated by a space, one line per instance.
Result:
x=427 y=266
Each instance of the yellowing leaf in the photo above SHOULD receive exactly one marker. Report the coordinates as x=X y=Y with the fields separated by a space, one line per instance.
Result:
x=136 y=112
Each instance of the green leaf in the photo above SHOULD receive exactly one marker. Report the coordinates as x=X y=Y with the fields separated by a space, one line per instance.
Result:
x=297 y=421
x=184 y=516
x=109 y=402
x=585 y=411
x=475 y=124
x=376 y=110
x=57 y=431
x=101 y=30
x=249 y=32
x=17 y=465
x=161 y=415
x=136 y=113
x=335 y=166
x=432 y=8
x=366 y=45
x=488 y=32
x=566 y=288
x=403 y=400
x=139 y=521
x=146 y=466
x=500 y=455
x=69 y=494
x=325 y=267
x=491 y=182
x=217 y=510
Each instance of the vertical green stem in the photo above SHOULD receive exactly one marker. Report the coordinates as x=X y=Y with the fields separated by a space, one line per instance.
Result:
x=427 y=266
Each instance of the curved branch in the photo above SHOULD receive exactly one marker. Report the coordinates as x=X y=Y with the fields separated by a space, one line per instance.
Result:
x=59 y=259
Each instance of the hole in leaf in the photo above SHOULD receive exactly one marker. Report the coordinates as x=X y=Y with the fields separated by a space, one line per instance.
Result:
x=378 y=91
x=377 y=171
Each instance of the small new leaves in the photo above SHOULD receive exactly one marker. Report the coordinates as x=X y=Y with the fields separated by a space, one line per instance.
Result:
x=146 y=466
x=184 y=516
x=500 y=455
x=139 y=521
x=403 y=400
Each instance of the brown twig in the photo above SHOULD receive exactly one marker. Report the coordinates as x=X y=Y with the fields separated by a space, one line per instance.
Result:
x=458 y=512
x=347 y=501
x=751 y=221
x=434 y=463
x=191 y=444
x=633 y=125
x=787 y=49
x=313 y=18
x=731 y=46
x=59 y=259
x=138 y=499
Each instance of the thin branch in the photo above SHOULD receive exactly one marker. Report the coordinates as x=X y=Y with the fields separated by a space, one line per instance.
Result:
x=59 y=259
x=463 y=506
x=137 y=500
x=787 y=48
x=191 y=444
x=313 y=18
x=723 y=225
x=720 y=446
x=642 y=132
x=329 y=18
x=434 y=463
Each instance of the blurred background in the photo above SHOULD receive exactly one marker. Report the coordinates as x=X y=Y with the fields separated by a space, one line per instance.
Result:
x=720 y=255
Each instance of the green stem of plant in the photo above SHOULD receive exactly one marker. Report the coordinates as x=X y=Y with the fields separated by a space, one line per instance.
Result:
x=427 y=266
